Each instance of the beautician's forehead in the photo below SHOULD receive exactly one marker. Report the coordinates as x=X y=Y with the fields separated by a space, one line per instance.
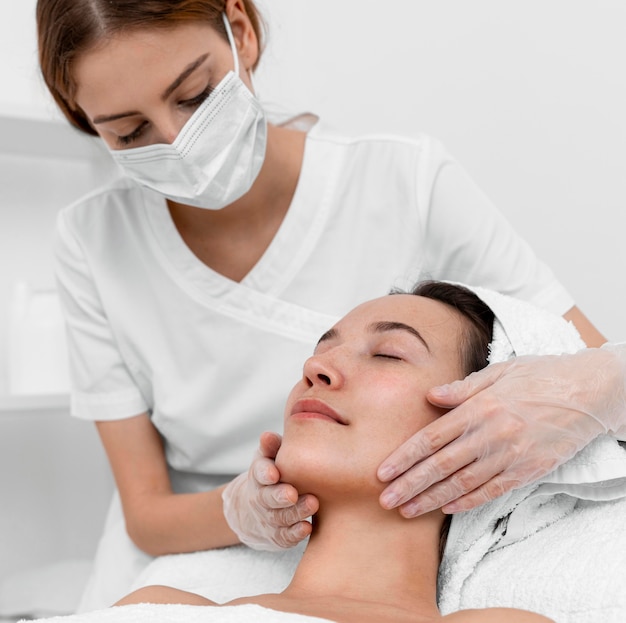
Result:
x=159 y=53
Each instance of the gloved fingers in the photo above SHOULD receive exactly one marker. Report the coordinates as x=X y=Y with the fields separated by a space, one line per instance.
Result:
x=509 y=479
x=436 y=468
x=420 y=446
x=484 y=480
x=292 y=535
x=263 y=512
x=453 y=394
x=473 y=477
x=264 y=472
x=269 y=443
x=497 y=486
x=277 y=496
x=306 y=506
x=489 y=462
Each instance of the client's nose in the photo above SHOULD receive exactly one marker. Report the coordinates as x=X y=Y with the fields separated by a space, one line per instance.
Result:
x=318 y=370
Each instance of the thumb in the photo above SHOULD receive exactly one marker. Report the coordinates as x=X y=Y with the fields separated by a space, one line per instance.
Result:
x=269 y=444
x=453 y=394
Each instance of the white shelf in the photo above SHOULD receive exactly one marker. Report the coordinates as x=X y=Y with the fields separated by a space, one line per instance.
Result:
x=33 y=403
x=35 y=135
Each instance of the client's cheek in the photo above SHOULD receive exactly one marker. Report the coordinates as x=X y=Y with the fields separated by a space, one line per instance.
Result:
x=293 y=467
x=287 y=457
x=282 y=455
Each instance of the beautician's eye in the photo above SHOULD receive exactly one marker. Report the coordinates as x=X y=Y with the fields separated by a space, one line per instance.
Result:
x=194 y=102
x=388 y=356
x=127 y=139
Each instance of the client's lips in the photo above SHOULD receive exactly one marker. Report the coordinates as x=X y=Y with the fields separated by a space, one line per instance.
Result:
x=310 y=407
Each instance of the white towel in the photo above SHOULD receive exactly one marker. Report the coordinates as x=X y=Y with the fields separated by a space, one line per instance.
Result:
x=155 y=613
x=224 y=574
x=509 y=537
x=524 y=329
x=220 y=575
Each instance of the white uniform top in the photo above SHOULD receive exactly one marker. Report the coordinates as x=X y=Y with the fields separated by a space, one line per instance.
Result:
x=151 y=328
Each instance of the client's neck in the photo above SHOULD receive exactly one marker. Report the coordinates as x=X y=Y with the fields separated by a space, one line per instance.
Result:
x=360 y=552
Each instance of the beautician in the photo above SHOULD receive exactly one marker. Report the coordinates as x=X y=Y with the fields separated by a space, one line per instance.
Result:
x=197 y=282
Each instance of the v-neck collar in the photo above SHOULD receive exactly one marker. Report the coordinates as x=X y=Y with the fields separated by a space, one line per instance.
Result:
x=292 y=245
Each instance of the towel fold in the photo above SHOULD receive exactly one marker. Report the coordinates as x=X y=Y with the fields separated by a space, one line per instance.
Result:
x=521 y=329
x=506 y=538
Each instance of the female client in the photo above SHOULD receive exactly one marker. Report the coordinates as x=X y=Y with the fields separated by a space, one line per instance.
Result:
x=362 y=393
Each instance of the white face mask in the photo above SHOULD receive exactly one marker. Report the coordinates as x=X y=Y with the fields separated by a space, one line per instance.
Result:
x=218 y=153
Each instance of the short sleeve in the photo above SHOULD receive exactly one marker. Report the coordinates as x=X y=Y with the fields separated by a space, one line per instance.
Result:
x=102 y=387
x=469 y=240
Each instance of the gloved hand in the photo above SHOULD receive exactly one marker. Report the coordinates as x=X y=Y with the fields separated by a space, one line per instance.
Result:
x=510 y=424
x=264 y=513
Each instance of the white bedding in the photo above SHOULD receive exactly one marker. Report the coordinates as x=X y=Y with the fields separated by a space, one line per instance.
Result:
x=151 y=613
x=536 y=573
x=224 y=574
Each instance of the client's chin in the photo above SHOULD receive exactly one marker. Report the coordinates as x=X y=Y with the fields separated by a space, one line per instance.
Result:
x=301 y=468
x=313 y=471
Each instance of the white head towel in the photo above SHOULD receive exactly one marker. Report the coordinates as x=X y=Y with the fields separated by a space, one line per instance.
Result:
x=596 y=473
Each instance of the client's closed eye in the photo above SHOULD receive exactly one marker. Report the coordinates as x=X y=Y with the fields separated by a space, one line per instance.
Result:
x=388 y=356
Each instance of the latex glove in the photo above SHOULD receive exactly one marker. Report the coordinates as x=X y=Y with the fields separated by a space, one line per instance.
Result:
x=510 y=424
x=264 y=513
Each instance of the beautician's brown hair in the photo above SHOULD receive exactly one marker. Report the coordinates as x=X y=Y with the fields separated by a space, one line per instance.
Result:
x=66 y=28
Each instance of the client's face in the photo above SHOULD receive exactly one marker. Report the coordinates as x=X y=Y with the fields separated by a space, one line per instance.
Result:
x=363 y=392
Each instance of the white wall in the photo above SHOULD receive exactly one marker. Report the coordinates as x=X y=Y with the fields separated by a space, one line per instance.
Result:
x=22 y=89
x=55 y=485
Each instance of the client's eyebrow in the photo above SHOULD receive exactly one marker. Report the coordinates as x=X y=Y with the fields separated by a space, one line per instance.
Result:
x=166 y=93
x=384 y=326
x=329 y=335
x=380 y=327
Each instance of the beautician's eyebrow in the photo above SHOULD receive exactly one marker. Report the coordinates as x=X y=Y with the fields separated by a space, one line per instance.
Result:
x=381 y=327
x=384 y=326
x=183 y=76
x=168 y=91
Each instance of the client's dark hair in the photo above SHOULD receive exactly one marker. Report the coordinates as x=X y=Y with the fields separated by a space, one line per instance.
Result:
x=474 y=349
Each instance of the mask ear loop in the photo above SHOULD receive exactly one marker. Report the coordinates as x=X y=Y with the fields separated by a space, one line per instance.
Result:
x=231 y=40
